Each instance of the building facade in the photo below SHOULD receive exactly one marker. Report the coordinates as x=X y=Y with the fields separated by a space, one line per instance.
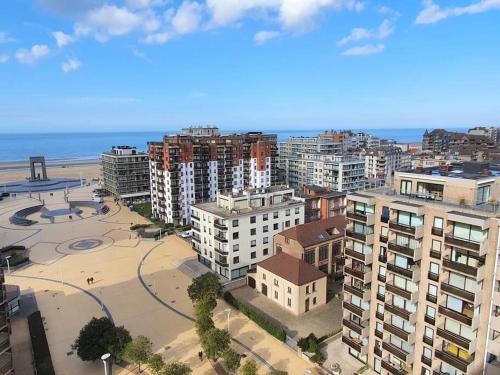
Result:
x=191 y=167
x=382 y=162
x=421 y=275
x=125 y=173
x=295 y=146
x=321 y=203
x=236 y=232
x=292 y=283
x=335 y=172
x=319 y=244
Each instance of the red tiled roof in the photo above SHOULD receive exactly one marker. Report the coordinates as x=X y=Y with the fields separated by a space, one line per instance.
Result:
x=291 y=269
x=316 y=232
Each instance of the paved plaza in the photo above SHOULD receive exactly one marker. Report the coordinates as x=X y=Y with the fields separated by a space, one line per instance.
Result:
x=140 y=284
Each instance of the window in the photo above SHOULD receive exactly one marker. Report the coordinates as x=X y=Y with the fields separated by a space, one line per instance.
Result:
x=289 y=302
x=314 y=287
x=432 y=290
x=323 y=253
x=438 y=223
x=405 y=187
x=379 y=327
x=252 y=219
x=297 y=210
x=307 y=289
x=430 y=312
x=314 y=300
x=265 y=252
x=276 y=283
x=287 y=212
x=253 y=243
x=385 y=214
x=309 y=257
x=265 y=228
x=264 y=217
x=253 y=255
x=469 y=232
x=297 y=221
x=236 y=235
x=236 y=247
x=236 y=260
x=276 y=215
x=483 y=194
x=463 y=282
x=429 y=333
x=434 y=268
x=253 y=231
x=275 y=226
x=427 y=353
x=287 y=223
x=263 y=276
x=436 y=245
x=289 y=290
x=265 y=240
x=276 y=294
x=235 y=223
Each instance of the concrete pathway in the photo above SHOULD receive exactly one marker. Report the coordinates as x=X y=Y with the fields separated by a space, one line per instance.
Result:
x=20 y=342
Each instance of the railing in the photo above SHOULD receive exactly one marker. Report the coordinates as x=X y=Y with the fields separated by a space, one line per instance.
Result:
x=400 y=353
x=402 y=334
x=460 y=242
x=405 y=250
x=393 y=369
x=357 y=292
x=401 y=228
x=452 y=360
x=460 y=267
x=355 y=344
x=450 y=289
x=456 y=339
x=455 y=315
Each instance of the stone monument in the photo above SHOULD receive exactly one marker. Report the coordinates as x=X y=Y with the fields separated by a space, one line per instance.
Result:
x=34 y=160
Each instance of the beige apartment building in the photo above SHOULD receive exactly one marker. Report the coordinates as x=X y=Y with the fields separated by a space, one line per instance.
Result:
x=422 y=290
x=290 y=282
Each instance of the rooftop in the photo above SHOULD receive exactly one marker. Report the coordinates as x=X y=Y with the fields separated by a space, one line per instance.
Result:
x=466 y=170
x=291 y=269
x=317 y=232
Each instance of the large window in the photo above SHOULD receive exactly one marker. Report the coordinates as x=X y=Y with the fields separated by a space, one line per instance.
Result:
x=405 y=187
x=309 y=257
x=459 y=329
x=363 y=209
x=409 y=219
x=483 y=194
x=462 y=307
x=469 y=232
x=323 y=253
x=462 y=258
x=462 y=282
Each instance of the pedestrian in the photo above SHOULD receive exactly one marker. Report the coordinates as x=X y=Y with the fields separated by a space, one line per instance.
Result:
x=91 y=280
x=200 y=355
x=88 y=281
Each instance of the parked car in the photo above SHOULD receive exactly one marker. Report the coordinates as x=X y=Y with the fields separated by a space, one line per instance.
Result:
x=186 y=234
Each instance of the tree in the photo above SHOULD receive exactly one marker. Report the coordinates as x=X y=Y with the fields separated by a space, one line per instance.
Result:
x=176 y=368
x=204 y=324
x=100 y=336
x=231 y=360
x=204 y=306
x=205 y=285
x=249 y=368
x=139 y=350
x=215 y=342
x=156 y=364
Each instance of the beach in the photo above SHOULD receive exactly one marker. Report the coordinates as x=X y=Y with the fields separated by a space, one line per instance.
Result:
x=87 y=169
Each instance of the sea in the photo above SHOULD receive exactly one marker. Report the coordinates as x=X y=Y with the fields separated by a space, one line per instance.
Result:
x=89 y=146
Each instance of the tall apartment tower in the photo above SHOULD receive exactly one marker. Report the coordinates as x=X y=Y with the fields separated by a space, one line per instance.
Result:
x=421 y=287
x=191 y=167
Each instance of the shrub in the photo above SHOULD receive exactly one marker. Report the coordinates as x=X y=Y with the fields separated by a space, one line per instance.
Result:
x=249 y=368
x=43 y=361
x=12 y=248
x=318 y=357
x=261 y=321
x=139 y=226
x=15 y=260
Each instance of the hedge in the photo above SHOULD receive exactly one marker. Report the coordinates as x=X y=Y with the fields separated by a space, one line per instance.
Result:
x=253 y=315
x=12 y=248
x=15 y=260
x=41 y=352
x=139 y=226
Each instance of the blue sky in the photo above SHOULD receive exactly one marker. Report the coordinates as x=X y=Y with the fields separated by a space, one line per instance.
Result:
x=94 y=65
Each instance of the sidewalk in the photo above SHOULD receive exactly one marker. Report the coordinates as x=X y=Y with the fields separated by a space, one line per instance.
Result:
x=20 y=341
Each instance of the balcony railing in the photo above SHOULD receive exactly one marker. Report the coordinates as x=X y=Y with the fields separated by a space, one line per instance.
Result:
x=365 y=276
x=402 y=334
x=404 y=250
x=366 y=258
x=220 y=238
x=412 y=273
x=454 y=338
x=414 y=231
x=412 y=296
x=356 y=344
x=359 y=329
x=464 y=268
x=463 y=243
x=220 y=225
x=462 y=318
x=464 y=294
x=394 y=350
x=392 y=368
x=402 y=313
x=363 y=294
x=456 y=362
x=363 y=314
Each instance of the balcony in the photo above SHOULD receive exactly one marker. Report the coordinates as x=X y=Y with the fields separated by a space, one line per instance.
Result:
x=402 y=313
x=219 y=237
x=363 y=314
x=411 y=296
x=462 y=318
x=366 y=238
x=417 y=231
x=456 y=339
x=394 y=350
x=402 y=334
x=383 y=238
x=475 y=298
x=478 y=272
x=359 y=329
x=220 y=225
x=392 y=368
x=412 y=273
x=193 y=216
x=365 y=276
x=195 y=228
x=416 y=254
x=437 y=231
x=355 y=344
x=366 y=258
x=452 y=360
x=368 y=219
x=193 y=245
x=363 y=294
x=480 y=247
x=196 y=238
x=222 y=262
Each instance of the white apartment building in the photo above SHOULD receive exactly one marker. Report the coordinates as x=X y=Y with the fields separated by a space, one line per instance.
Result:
x=360 y=140
x=335 y=172
x=236 y=232
x=382 y=162
x=295 y=146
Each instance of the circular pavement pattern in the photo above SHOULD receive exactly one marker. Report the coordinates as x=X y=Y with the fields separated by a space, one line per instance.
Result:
x=84 y=244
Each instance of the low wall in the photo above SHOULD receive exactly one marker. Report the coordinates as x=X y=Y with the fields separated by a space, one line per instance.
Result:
x=235 y=284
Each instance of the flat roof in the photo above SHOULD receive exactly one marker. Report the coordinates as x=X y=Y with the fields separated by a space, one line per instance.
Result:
x=225 y=213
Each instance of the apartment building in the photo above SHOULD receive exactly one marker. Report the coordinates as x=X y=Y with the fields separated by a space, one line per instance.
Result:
x=295 y=146
x=321 y=203
x=335 y=172
x=319 y=244
x=125 y=173
x=421 y=289
x=491 y=132
x=236 y=232
x=440 y=140
x=6 y=365
x=382 y=162
x=354 y=141
x=191 y=167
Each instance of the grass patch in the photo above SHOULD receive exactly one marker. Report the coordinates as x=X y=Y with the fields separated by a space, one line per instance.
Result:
x=144 y=209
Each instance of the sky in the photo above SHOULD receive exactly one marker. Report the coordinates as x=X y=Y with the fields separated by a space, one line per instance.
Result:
x=137 y=65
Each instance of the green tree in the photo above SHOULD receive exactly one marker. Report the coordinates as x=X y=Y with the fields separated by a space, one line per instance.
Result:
x=100 y=336
x=231 y=360
x=176 y=368
x=206 y=285
x=205 y=306
x=204 y=324
x=215 y=342
x=139 y=350
x=156 y=364
x=249 y=368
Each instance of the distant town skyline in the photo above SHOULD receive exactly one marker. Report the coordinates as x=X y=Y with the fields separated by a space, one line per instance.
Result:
x=147 y=65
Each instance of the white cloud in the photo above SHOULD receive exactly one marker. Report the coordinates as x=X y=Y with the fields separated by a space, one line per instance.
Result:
x=158 y=38
x=263 y=36
x=4 y=59
x=368 y=49
x=71 y=65
x=188 y=17
x=62 y=39
x=433 y=13
x=140 y=55
x=30 y=56
x=5 y=38
x=385 y=29
x=143 y=4
x=387 y=11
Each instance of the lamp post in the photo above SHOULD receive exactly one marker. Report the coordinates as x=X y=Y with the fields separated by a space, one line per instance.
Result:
x=108 y=363
x=228 y=312
x=8 y=264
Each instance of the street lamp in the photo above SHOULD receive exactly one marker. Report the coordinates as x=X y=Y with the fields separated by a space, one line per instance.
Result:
x=108 y=363
x=8 y=264
x=228 y=312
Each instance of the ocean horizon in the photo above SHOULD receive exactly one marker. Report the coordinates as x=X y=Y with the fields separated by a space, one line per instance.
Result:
x=16 y=147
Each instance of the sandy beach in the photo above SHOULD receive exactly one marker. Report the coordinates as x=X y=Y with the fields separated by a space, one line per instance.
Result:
x=14 y=171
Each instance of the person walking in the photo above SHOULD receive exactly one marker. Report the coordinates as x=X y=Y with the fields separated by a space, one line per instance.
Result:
x=88 y=281
x=91 y=280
